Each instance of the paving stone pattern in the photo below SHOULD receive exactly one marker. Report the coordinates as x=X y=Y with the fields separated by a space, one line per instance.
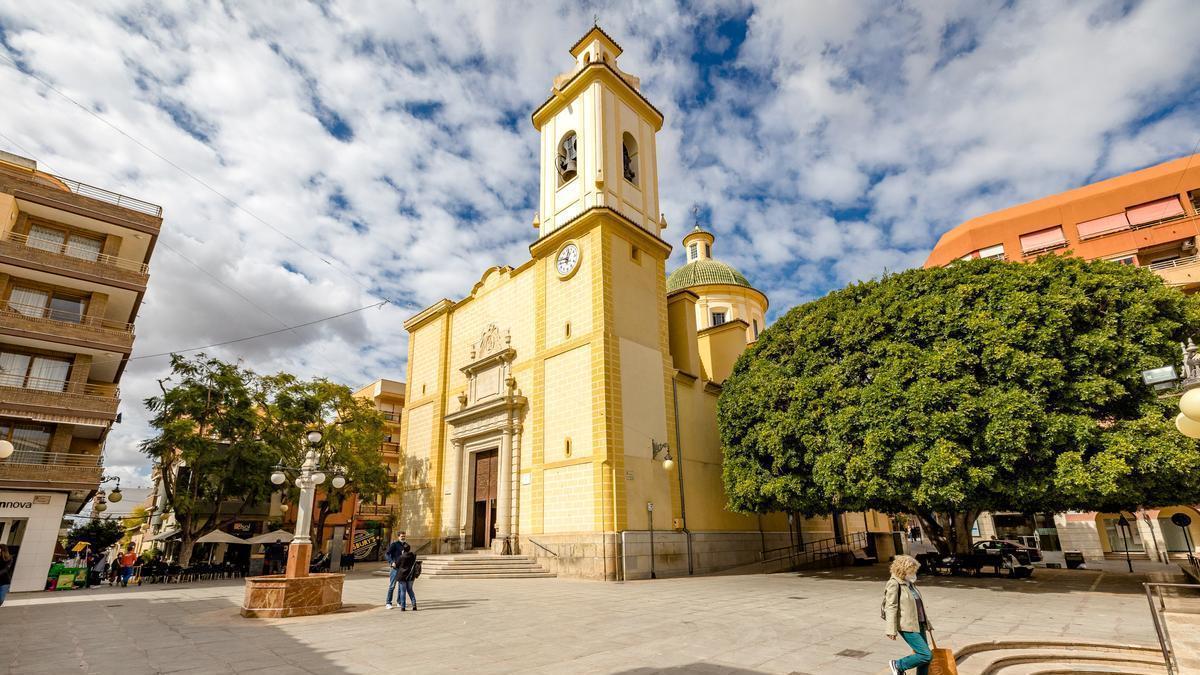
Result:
x=780 y=623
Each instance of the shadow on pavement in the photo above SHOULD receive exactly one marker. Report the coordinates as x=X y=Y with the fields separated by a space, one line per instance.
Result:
x=133 y=633
x=1043 y=581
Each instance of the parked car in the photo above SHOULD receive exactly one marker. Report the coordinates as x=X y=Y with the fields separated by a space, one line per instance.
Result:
x=974 y=563
x=1026 y=554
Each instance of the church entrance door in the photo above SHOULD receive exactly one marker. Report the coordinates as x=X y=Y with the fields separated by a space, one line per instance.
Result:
x=483 y=528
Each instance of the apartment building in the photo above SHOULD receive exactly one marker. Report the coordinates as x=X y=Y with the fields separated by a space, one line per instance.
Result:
x=1149 y=218
x=371 y=527
x=73 y=269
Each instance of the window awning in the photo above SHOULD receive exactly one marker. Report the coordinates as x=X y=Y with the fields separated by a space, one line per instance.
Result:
x=1042 y=239
x=1159 y=209
x=1098 y=226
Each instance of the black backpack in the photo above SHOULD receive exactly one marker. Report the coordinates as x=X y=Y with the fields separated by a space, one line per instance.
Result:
x=416 y=569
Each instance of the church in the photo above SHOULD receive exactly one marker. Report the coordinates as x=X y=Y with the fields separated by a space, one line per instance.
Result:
x=566 y=408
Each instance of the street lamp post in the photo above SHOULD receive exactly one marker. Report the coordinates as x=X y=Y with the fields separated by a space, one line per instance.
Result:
x=650 y=514
x=309 y=477
x=1124 y=525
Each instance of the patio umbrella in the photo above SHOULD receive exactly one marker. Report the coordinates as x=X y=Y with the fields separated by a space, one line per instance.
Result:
x=271 y=537
x=219 y=537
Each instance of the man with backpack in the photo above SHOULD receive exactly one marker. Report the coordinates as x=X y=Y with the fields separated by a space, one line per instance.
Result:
x=395 y=551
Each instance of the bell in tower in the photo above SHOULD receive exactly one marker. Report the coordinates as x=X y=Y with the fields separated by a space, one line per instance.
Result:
x=598 y=141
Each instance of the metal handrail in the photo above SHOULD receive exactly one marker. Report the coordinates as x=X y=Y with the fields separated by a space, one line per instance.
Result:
x=1042 y=249
x=65 y=249
x=537 y=544
x=41 y=457
x=110 y=197
x=1157 y=609
x=106 y=391
x=1178 y=262
x=1160 y=221
x=39 y=313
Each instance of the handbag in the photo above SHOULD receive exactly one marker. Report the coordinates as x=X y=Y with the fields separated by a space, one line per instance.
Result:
x=943 y=662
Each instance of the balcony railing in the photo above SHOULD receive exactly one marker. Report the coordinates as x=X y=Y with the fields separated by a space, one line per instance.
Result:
x=1160 y=221
x=55 y=458
x=53 y=386
x=77 y=253
x=1169 y=264
x=59 y=318
x=389 y=416
x=1043 y=249
x=376 y=509
x=85 y=190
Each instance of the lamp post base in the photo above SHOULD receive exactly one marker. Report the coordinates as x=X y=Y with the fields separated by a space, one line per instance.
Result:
x=278 y=597
x=298 y=559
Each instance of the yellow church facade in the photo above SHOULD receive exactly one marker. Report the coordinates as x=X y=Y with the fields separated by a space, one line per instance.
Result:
x=566 y=408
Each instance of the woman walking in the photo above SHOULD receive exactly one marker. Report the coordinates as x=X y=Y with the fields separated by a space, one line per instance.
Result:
x=7 y=563
x=903 y=613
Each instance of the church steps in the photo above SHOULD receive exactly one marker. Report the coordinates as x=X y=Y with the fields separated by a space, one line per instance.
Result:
x=479 y=566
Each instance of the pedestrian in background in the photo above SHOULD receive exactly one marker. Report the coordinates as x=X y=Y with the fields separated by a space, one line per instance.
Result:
x=128 y=561
x=7 y=563
x=393 y=554
x=903 y=613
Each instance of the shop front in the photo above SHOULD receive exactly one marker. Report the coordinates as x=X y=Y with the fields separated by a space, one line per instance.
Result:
x=30 y=522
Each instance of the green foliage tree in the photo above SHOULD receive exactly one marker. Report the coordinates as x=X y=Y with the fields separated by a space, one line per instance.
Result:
x=100 y=533
x=221 y=429
x=209 y=448
x=946 y=392
x=353 y=433
x=136 y=518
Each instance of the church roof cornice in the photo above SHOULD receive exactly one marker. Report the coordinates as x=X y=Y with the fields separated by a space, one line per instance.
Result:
x=561 y=233
x=595 y=29
x=581 y=79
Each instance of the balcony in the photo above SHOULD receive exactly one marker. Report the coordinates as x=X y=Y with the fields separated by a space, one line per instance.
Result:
x=110 y=197
x=376 y=510
x=1181 y=273
x=73 y=261
x=389 y=449
x=40 y=468
x=60 y=398
x=44 y=323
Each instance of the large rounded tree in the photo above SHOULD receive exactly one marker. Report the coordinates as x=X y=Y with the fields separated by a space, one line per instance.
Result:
x=980 y=386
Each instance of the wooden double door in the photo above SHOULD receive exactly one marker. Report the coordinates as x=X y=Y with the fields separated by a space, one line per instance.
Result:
x=483 y=499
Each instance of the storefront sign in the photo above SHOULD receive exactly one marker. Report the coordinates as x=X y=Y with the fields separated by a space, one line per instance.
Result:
x=16 y=505
x=364 y=544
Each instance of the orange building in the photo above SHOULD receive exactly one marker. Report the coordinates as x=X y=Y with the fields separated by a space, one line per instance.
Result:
x=1146 y=218
x=1149 y=218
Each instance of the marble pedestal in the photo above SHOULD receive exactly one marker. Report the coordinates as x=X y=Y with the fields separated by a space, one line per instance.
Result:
x=278 y=596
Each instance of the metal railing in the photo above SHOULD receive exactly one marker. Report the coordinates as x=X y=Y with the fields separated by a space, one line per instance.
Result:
x=53 y=386
x=539 y=545
x=818 y=550
x=80 y=253
x=54 y=458
x=1158 y=609
x=1177 y=262
x=390 y=446
x=114 y=198
x=63 y=318
x=1042 y=249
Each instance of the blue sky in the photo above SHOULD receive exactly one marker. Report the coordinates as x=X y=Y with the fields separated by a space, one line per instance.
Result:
x=824 y=142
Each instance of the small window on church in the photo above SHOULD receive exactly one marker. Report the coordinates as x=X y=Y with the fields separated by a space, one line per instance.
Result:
x=707 y=251
x=718 y=318
x=694 y=251
x=567 y=448
x=756 y=329
x=635 y=254
x=629 y=157
x=567 y=331
x=567 y=158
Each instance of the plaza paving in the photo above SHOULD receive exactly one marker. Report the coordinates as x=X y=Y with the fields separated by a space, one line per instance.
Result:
x=782 y=623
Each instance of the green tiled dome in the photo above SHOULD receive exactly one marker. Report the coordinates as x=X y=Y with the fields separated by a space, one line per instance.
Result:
x=705 y=271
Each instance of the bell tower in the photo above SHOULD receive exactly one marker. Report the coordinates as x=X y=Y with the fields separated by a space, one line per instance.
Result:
x=597 y=141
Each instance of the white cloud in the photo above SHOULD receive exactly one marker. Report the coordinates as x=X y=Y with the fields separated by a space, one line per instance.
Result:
x=836 y=141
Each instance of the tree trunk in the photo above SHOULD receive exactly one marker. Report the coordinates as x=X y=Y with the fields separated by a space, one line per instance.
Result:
x=949 y=532
x=185 y=551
